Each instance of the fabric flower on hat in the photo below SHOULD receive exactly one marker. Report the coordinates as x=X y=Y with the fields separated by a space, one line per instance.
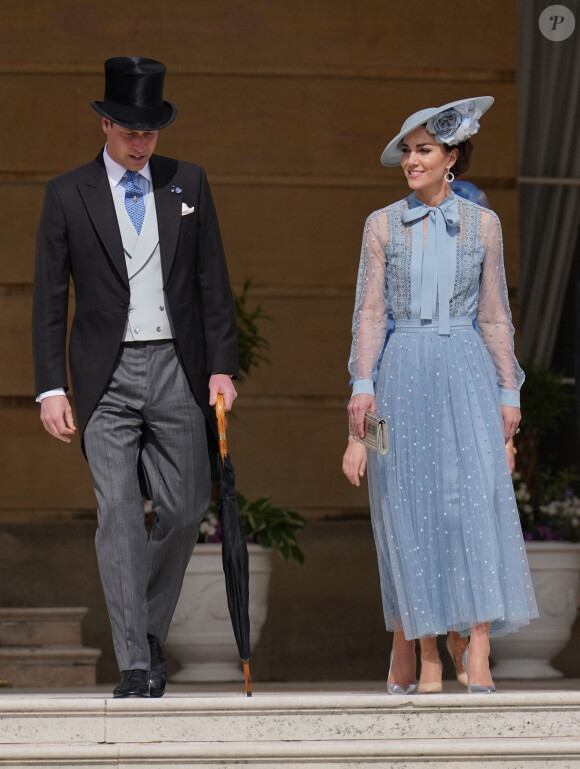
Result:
x=455 y=125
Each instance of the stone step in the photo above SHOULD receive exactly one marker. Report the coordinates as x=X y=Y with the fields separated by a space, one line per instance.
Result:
x=60 y=626
x=508 y=730
x=389 y=754
x=48 y=666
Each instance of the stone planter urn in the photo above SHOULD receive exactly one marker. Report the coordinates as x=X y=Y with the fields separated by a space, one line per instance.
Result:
x=555 y=569
x=201 y=638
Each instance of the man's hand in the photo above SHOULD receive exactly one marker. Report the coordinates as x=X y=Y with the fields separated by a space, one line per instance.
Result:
x=222 y=383
x=57 y=418
x=357 y=408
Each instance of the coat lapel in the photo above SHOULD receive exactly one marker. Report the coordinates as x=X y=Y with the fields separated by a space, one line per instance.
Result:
x=96 y=194
x=168 y=204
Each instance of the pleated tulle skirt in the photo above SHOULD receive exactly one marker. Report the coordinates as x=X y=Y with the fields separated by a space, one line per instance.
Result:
x=446 y=526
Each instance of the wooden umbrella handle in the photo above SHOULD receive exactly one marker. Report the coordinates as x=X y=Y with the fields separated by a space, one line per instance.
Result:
x=220 y=413
x=247 y=677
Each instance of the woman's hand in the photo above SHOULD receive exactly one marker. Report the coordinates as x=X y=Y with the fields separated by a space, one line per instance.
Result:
x=511 y=452
x=357 y=408
x=354 y=461
x=511 y=416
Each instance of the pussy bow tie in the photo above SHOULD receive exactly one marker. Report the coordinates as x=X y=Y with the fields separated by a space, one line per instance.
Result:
x=437 y=259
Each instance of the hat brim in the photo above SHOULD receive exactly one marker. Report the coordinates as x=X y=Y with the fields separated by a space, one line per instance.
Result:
x=166 y=118
x=393 y=153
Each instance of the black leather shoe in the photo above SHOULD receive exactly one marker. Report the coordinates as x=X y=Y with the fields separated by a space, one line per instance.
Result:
x=158 y=672
x=134 y=683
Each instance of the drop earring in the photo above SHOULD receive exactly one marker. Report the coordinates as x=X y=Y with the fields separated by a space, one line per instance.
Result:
x=449 y=176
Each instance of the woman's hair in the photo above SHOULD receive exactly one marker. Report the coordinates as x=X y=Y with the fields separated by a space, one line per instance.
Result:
x=464 y=158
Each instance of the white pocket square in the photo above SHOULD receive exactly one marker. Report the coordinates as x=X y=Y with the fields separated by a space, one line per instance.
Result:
x=185 y=209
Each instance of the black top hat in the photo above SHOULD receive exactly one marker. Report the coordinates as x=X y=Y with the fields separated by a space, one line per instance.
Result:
x=134 y=94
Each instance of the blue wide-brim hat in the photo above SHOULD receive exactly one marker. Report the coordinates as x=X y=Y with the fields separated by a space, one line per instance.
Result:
x=134 y=94
x=393 y=152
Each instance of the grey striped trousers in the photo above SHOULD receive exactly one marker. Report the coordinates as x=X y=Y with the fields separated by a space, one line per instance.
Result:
x=149 y=415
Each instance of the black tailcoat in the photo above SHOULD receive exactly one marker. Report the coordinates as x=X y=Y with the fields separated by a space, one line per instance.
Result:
x=79 y=237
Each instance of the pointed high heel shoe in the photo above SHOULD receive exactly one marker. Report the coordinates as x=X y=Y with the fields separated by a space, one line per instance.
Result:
x=399 y=688
x=475 y=688
x=430 y=687
x=460 y=674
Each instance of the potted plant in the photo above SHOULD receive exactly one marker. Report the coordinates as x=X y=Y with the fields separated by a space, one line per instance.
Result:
x=549 y=510
x=200 y=637
x=270 y=527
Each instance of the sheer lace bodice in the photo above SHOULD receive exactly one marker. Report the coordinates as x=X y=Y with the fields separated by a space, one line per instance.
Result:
x=391 y=280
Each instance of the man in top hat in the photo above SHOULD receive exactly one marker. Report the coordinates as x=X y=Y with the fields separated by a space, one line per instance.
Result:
x=153 y=341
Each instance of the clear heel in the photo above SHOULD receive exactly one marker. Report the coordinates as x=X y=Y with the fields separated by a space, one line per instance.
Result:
x=399 y=688
x=460 y=674
x=475 y=688
x=430 y=687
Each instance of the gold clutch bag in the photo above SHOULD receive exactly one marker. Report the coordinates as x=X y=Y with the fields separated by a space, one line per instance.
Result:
x=376 y=437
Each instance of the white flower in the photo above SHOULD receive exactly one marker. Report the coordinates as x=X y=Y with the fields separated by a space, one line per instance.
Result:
x=208 y=526
x=522 y=493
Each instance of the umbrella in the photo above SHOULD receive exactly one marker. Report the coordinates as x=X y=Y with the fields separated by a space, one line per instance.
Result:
x=234 y=547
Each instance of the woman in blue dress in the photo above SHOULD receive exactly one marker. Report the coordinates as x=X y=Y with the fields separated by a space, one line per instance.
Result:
x=433 y=353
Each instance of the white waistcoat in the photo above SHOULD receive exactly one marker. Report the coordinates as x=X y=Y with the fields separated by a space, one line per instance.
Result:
x=149 y=316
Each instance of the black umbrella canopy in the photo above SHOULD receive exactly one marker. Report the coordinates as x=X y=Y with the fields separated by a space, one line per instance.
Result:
x=234 y=556
x=234 y=548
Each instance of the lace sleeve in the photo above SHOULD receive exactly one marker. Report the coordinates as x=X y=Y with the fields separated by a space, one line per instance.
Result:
x=493 y=313
x=369 y=321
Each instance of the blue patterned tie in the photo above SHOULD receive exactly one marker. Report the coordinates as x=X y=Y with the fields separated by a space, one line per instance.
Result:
x=134 y=201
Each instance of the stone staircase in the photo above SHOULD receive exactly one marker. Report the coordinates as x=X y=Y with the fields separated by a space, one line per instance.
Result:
x=43 y=647
x=338 y=730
